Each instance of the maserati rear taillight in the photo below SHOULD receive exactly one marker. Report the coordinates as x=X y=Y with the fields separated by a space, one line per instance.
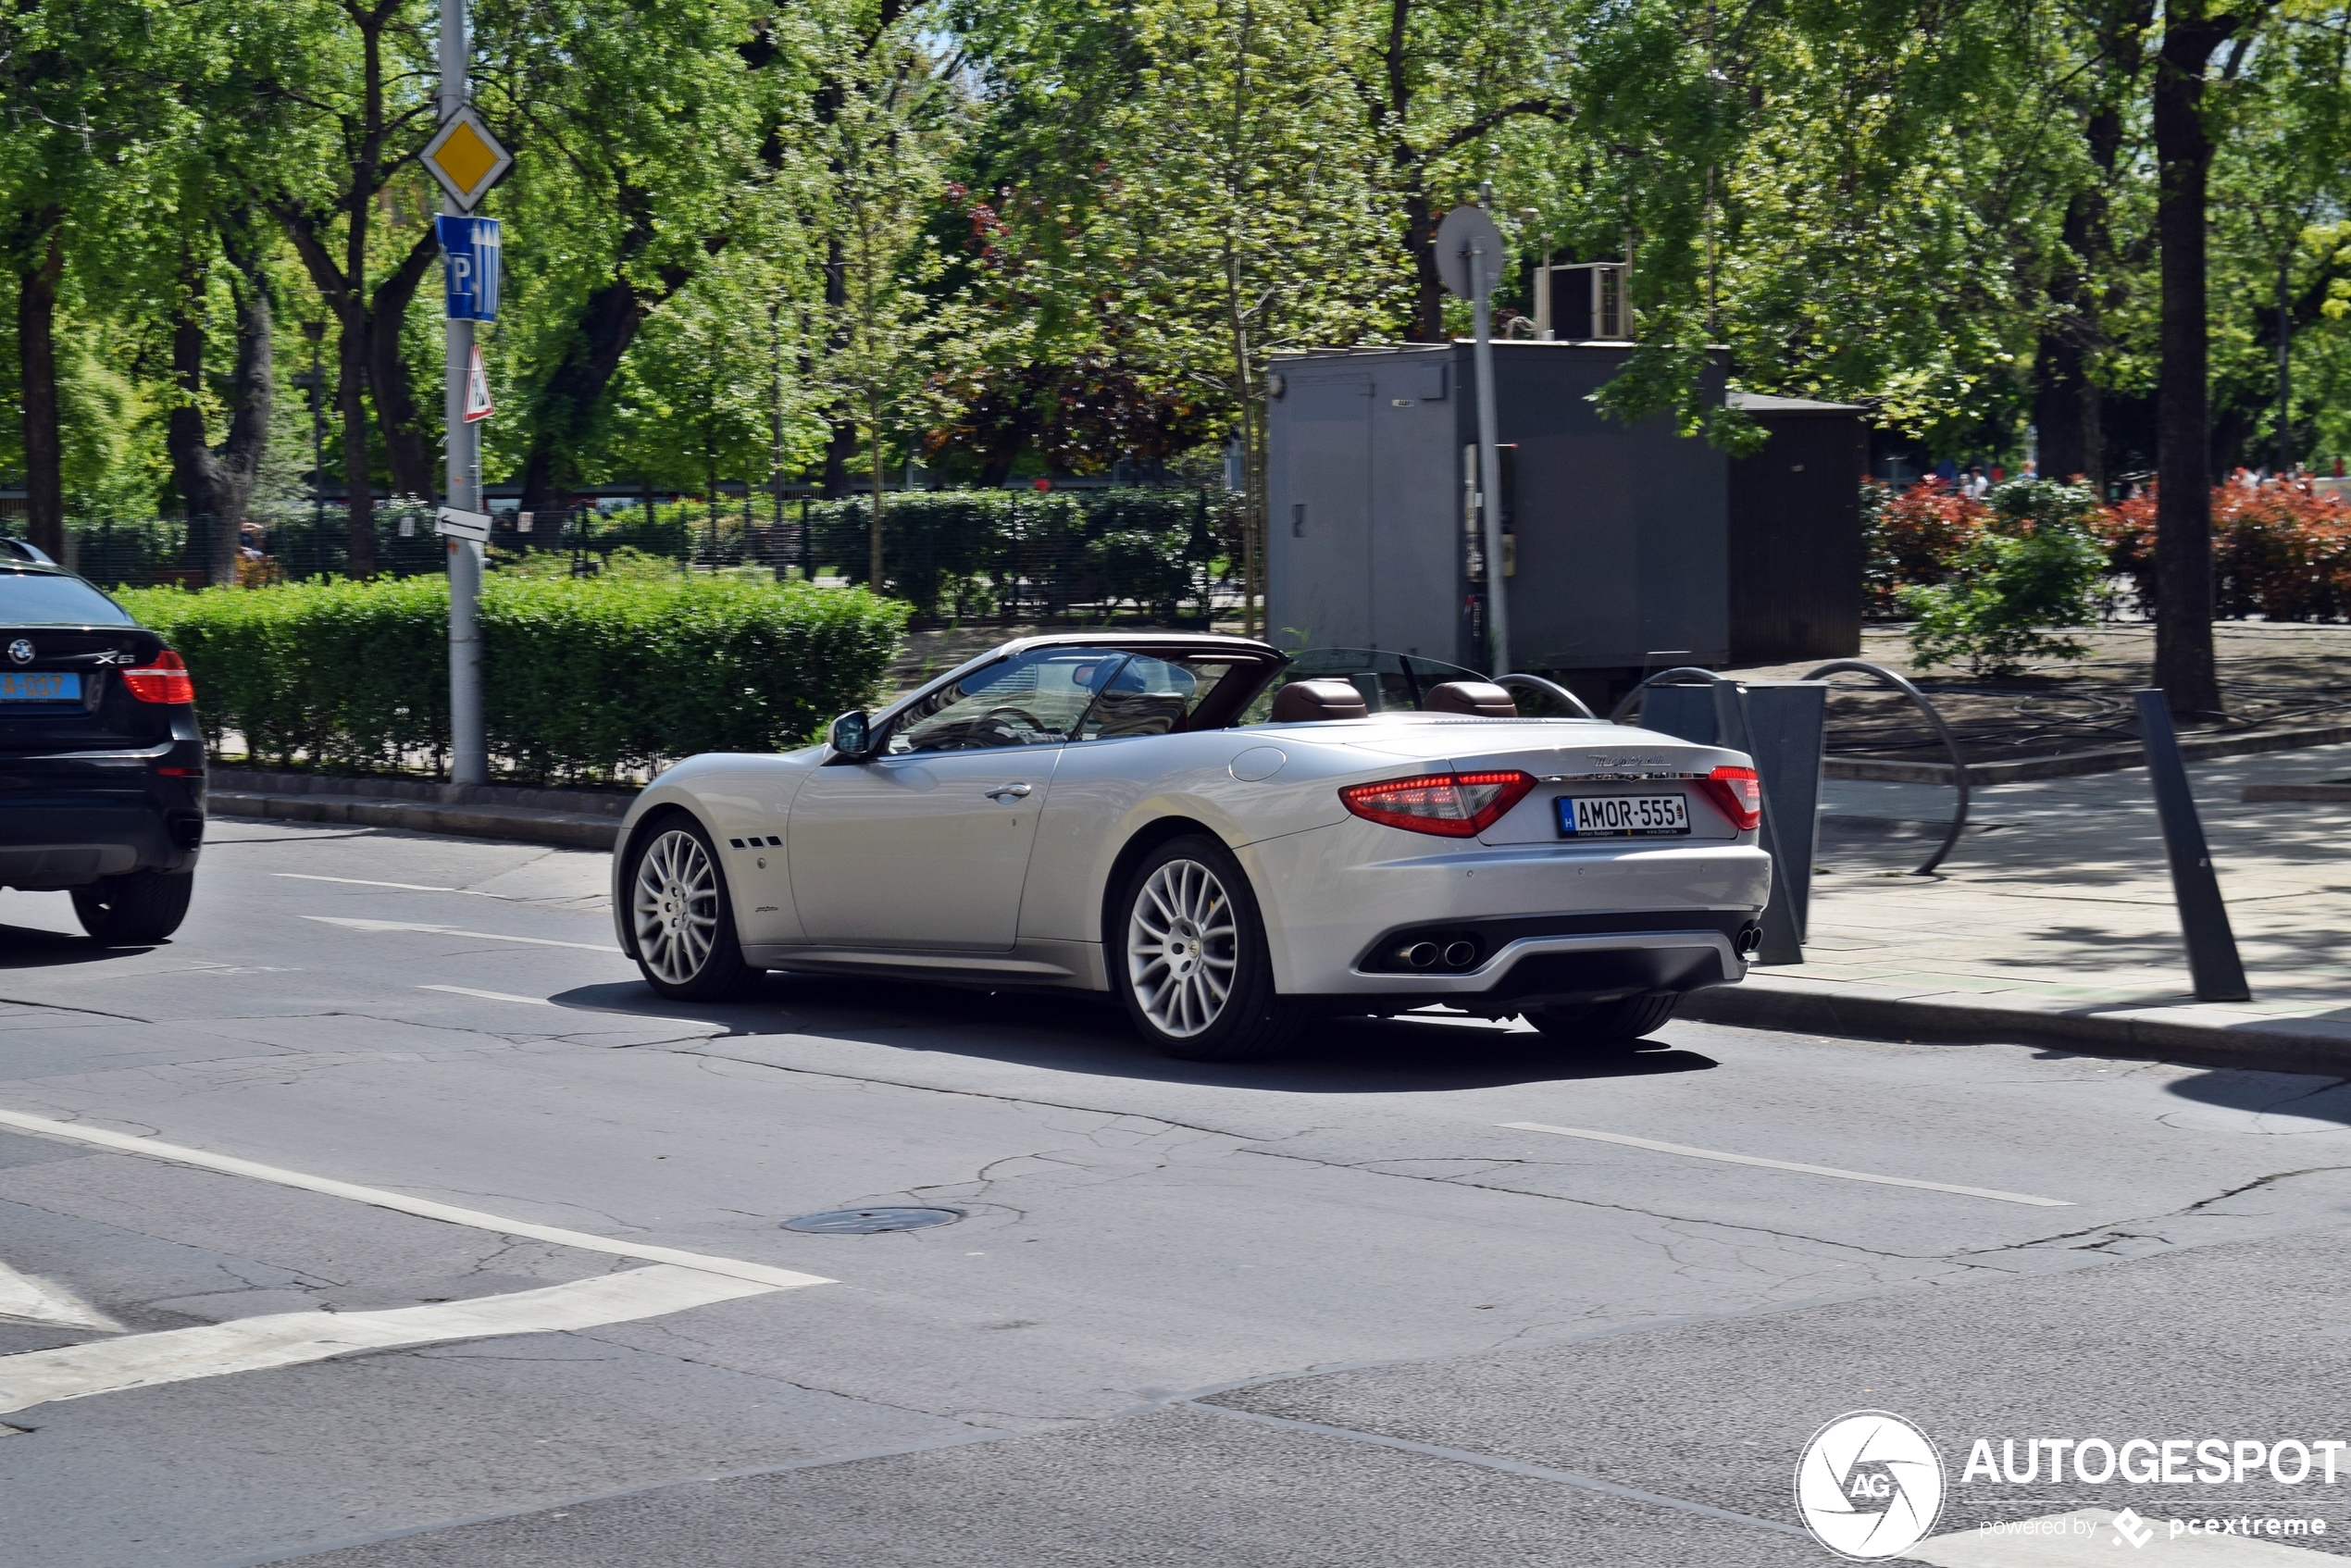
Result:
x=1738 y=793
x=1451 y=805
x=166 y=680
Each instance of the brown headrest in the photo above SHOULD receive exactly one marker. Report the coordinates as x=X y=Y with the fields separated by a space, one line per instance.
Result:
x=1302 y=701
x=1480 y=698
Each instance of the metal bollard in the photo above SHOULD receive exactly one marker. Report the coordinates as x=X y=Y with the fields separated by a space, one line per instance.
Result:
x=2204 y=919
x=1783 y=723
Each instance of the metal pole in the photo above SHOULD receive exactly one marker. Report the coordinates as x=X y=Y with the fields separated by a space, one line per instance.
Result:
x=2286 y=367
x=468 y=745
x=1490 y=466
x=2213 y=963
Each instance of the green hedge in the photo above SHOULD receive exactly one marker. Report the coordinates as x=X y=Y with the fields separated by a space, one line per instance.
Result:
x=581 y=679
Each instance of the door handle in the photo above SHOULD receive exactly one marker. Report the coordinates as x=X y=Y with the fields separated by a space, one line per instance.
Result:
x=1008 y=791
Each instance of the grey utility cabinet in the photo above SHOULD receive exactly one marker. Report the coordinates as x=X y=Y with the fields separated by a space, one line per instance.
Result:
x=1616 y=532
x=1626 y=541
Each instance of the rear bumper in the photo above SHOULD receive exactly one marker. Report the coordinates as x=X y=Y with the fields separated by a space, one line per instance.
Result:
x=1555 y=970
x=69 y=827
x=1337 y=898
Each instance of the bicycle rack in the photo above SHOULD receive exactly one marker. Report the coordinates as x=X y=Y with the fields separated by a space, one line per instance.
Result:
x=1942 y=732
x=1550 y=688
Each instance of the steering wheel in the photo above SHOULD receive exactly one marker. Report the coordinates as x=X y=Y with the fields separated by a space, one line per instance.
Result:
x=1035 y=724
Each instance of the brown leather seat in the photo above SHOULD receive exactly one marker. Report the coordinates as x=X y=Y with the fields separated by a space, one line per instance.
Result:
x=1303 y=701
x=1481 y=699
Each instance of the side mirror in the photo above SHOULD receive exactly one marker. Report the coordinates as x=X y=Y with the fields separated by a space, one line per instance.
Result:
x=851 y=734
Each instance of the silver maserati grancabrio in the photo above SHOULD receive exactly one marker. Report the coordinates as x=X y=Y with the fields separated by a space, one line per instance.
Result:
x=1228 y=840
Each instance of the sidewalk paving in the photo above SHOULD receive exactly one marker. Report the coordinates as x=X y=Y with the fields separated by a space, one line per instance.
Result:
x=2053 y=921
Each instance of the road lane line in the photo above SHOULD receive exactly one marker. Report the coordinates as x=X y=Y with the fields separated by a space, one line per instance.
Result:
x=364 y=882
x=489 y=996
x=423 y=1208
x=355 y=925
x=1685 y=1150
x=256 y=1344
x=26 y=1300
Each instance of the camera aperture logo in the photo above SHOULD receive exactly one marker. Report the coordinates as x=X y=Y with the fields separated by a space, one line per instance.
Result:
x=1869 y=1485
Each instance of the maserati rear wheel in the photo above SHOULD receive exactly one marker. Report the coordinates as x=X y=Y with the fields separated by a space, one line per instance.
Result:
x=682 y=919
x=1608 y=1025
x=1190 y=961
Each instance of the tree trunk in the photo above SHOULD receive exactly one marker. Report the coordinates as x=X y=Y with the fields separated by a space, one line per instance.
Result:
x=218 y=485
x=874 y=546
x=2063 y=400
x=2184 y=660
x=359 y=493
x=1428 y=283
x=406 y=453
x=44 y=485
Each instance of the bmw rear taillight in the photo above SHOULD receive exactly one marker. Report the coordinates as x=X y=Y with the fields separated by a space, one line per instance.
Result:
x=1738 y=793
x=1451 y=805
x=166 y=680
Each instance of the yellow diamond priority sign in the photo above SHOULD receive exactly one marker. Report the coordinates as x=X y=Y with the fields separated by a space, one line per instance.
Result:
x=466 y=159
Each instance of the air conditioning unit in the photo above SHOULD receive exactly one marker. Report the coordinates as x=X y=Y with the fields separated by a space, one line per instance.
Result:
x=1591 y=302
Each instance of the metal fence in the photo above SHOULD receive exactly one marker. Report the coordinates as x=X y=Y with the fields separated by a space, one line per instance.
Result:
x=1166 y=557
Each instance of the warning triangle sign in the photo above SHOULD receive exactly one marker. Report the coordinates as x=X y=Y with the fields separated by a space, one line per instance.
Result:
x=477 y=403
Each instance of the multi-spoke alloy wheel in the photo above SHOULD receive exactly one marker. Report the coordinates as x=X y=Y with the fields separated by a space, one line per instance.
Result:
x=1182 y=946
x=1197 y=979
x=675 y=906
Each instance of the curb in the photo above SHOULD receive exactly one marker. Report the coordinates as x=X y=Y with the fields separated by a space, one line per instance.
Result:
x=2106 y=759
x=579 y=819
x=2134 y=1036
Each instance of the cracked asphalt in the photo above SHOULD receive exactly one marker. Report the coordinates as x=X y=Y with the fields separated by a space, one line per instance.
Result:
x=1324 y=1310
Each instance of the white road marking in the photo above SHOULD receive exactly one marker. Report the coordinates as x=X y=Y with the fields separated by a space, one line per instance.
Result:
x=489 y=996
x=26 y=1300
x=424 y=1208
x=255 y=1344
x=1685 y=1150
x=452 y=931
x=2086 y=1538
x=364 y=882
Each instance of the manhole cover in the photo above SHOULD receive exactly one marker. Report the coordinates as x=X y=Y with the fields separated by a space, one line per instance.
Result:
x=872 y=1222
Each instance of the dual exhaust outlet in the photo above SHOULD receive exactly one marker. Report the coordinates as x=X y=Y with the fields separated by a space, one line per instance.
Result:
x=1456 y=956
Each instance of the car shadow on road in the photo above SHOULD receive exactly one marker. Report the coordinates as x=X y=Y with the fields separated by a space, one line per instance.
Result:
x=1075 y=1034
x=29 y=947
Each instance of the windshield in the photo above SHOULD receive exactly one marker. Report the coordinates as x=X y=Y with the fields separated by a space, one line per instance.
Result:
x=48 y=599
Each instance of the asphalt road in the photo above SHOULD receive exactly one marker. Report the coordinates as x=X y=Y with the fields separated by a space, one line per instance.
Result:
x=1333 y=1309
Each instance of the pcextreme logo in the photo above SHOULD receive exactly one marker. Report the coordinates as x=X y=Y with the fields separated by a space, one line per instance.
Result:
x=1869 y=1486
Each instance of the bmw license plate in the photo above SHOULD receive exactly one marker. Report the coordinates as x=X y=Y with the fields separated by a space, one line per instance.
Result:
x=40 y=686
x=1624 y=816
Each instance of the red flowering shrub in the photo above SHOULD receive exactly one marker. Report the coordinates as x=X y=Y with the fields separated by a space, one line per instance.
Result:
x=2279 y=551
x=1915 y=536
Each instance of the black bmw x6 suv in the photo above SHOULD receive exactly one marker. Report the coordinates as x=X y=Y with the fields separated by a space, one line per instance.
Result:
x=102 y=767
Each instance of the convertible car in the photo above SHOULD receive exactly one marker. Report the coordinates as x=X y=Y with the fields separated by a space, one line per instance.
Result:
x=1228 y=840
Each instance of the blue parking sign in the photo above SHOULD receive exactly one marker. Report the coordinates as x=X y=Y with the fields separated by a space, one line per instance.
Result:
x=470 y=267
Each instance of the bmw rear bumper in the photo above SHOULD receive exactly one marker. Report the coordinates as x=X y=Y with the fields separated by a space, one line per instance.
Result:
x=66 y=825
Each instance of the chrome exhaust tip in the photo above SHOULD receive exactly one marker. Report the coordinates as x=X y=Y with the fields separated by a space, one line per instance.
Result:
x=1460 y=955
x=1421 y=955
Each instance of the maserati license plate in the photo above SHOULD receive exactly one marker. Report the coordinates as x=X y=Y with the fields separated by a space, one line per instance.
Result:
x=1624 y=816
